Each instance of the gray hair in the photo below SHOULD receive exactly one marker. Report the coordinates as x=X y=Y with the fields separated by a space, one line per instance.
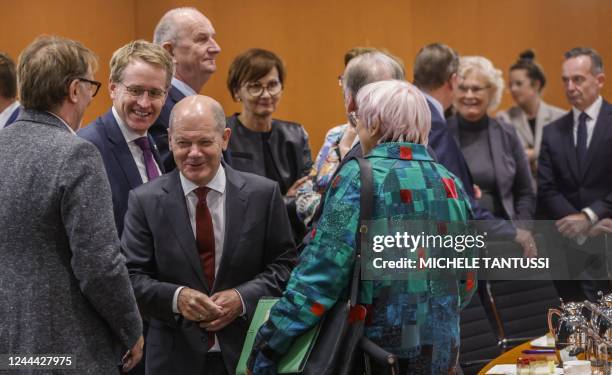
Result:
x=484 y=66
x=398 y=107
x=596 y=61
x=368 y=68
x=167 y=28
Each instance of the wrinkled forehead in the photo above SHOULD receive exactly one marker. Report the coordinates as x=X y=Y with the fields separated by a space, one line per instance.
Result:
x=195 y=23
x=579 y=65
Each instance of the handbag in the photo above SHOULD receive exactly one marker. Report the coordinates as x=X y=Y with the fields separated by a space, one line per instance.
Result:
x=336 y=349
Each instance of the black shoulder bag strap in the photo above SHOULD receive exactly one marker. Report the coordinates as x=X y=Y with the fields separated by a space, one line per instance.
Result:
x=366 y=206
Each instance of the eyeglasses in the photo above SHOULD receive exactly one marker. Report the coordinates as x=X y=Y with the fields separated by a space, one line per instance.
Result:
x=257 y=89
x=95 y=85
x=138 y=92
x=476 y=90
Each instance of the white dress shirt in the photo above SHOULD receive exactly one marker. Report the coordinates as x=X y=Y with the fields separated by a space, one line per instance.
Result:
x=7 y=112
x=184 y=88
x=593 y=112
x=130 y=136
x=63 y=122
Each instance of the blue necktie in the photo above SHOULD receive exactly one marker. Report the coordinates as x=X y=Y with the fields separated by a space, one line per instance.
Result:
x=581 y=141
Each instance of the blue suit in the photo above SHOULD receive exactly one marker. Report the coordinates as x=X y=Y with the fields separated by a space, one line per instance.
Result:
x=120 y=166
x=563 y=189
x=159 y=129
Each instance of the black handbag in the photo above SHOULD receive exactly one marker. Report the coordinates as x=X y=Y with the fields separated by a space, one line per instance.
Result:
x=337 y=348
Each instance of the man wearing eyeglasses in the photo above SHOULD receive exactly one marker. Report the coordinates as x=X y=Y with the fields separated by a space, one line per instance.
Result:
x=189 y=37
x=64 y=287
x=140 y=76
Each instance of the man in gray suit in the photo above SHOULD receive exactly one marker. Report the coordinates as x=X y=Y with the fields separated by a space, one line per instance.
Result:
x=203 y=244
x=64 y=287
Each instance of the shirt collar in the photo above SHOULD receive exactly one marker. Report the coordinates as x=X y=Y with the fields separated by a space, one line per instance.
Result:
x=63 y=122
x=184 y=88
x=437 y=105
x=592 y=110
x=217 y=183
x=128 y=133
x=7 y=112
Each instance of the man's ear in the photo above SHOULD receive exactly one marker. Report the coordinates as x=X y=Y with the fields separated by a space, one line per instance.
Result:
x=351 y=106
x=73 y=91
x=227 y=133
x=111 y=88
x=601 y=78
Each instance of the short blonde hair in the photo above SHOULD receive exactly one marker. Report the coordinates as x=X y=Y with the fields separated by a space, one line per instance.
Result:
x=484 y=66
x=47 y=67
x=141 y=50
x=398 y=107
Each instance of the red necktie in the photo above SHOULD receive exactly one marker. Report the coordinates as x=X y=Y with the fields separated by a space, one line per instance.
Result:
x=205 y=242
x=205 y=236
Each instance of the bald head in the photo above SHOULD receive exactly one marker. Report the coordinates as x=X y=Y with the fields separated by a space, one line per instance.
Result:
x=189 y=37
x=172 y=23
x=197 y=106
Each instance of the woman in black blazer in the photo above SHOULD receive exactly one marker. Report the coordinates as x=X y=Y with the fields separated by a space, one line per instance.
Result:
x=493 y=150
x=260 y=144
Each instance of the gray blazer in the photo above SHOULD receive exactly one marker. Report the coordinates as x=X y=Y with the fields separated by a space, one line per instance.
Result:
x=512 y=174
x=64 y=287
x=158 y=240
x=517 y=117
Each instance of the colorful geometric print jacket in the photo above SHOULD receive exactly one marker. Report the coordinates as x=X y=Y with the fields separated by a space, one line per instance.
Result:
x=416 y=319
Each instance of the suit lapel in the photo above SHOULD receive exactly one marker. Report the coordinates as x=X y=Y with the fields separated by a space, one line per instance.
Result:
x=175 y=95
x=604 y=121
x=495 y=142
x=120 y=150
x=567 y=138
x=235 y=208
x=175 y=206
x=524 y=128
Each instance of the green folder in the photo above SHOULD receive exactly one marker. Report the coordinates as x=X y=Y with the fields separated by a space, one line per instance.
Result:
x=293 y=362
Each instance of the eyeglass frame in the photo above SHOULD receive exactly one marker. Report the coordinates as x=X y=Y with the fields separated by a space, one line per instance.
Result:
x=476 y=90
x=93 y=83
x=129 y=90
x=263 y=88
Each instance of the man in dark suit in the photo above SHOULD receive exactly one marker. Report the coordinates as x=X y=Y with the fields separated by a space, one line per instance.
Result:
x=189 y=37
x=203 y=244
x=575 y=173
x=64 y=285
x=139 y=78
x=9 y=106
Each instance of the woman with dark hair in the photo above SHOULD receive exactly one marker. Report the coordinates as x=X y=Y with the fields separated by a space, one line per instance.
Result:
x=531 y=113
x=260 y=144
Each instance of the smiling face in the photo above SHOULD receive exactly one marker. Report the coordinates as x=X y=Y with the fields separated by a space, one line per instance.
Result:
x=197 y=143
x=195 y=50
x=582 y=87
x=264 y=104
x=139 y=113
x=523 y=90
x=473 y=96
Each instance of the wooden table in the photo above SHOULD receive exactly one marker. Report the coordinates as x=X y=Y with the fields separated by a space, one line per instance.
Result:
x=508 y=357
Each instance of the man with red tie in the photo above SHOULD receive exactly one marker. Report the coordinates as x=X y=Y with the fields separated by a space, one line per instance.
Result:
x=203 y=244
x=139 y=79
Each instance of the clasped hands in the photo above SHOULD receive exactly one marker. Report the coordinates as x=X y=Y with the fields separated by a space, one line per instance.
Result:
x=212 y=313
